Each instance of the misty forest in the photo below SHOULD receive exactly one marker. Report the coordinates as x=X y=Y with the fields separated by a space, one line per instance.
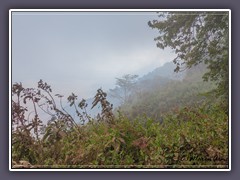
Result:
x=176 y=116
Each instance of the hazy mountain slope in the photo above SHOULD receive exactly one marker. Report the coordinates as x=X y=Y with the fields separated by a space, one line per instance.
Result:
x=174 y=94
x=157 y=90
x=165 y=71
x=159 y=77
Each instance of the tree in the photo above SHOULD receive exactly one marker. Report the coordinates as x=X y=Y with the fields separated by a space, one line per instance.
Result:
x=197 y=37
x=125 y=86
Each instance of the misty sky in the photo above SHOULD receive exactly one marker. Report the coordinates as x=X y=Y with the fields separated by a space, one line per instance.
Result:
x=82 y=51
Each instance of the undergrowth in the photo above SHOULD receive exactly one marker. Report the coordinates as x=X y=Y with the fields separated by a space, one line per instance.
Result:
x=186 y=138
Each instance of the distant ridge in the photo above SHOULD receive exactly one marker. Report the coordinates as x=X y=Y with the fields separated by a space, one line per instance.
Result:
x=166 y=71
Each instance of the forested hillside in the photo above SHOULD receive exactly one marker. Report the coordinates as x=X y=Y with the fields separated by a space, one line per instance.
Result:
x=155 y=98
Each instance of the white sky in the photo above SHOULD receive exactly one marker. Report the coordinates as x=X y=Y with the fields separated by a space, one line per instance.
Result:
x=82 y=51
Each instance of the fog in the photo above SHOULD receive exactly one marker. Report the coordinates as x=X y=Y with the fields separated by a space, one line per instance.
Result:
x=83 y=51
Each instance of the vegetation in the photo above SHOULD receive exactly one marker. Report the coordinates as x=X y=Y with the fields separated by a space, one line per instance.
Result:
x=189 y=137
x=170 y=95
x=197 y=37
x=162 y=122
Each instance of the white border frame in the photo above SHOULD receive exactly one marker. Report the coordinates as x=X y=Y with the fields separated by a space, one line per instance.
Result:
x=110 y=10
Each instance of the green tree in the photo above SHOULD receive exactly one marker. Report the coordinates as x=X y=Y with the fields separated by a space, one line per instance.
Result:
x=125 y=86
x=197 y=37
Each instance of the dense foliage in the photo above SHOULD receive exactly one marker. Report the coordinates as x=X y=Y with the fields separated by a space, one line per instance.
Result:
x=197 y=37
x=189 y=137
